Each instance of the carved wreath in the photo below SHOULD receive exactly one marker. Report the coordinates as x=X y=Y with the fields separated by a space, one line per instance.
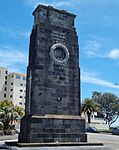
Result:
x=61 y=60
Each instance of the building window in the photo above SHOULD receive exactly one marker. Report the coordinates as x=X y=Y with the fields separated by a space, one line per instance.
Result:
x=11 y=89
x=17 y=77
x=5 y=89
x=24 y=78
x=4 y=95
x=21 y=90
x=5 y=82
x=20 y=103
x=20 y=96
x=21 y=84
x=6 y=77
x=6 y=72
x=12 y=76
x=10 y=96
x=12 y=83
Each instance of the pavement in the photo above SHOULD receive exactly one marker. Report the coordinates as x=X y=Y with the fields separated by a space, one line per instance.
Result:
x=111 y=142
x=8 y=138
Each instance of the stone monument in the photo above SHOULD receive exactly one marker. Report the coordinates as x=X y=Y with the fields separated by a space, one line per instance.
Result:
x=52 y=110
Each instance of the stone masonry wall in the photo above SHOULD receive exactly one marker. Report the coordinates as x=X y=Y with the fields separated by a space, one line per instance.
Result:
x=55 y=86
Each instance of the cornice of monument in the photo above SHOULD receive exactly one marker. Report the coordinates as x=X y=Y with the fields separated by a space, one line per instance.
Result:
x=40 y=6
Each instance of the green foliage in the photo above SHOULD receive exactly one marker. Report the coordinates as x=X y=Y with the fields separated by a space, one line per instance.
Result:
x=9 y=114
x=109 y=106
x=89 y=107
x=19 y=110
x=1 y=126
x=5 y=103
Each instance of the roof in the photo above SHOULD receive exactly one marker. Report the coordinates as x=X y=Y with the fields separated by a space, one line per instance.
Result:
x=16 y=73
x=3 y=67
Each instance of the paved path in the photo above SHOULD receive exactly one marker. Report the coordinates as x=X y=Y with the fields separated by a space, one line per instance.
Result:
x=8 y=138
x=108 y=140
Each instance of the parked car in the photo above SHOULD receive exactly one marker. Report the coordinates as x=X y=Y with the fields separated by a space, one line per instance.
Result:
x=92 y=130
x=115 y=131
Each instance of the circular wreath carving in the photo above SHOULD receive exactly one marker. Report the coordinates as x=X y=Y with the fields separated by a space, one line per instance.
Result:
x=59 y=54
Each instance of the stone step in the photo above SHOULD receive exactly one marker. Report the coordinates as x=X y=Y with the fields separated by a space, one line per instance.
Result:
x=59 y=148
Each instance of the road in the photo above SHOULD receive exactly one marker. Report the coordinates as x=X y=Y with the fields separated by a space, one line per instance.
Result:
x=106 y=139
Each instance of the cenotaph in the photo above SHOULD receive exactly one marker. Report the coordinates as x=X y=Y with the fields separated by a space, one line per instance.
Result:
x=52 y=109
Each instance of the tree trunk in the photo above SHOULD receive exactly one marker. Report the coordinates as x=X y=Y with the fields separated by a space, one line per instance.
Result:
x=89 y=119
x=89 y=116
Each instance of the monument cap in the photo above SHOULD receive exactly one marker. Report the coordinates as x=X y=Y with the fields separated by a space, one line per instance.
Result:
x=40 y=6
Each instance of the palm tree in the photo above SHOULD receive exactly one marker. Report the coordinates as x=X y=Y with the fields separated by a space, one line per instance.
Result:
x=19 y=110
x=89 y=107
x=7 y=116
x=5 y=103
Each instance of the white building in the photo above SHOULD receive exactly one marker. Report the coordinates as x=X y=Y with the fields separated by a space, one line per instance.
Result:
x=3 y=82
x=14 y=88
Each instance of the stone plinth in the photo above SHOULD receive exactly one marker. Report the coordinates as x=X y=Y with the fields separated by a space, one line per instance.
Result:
x=52 y=128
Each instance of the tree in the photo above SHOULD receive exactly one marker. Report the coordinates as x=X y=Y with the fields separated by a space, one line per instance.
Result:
x=109 y=105
x=5 y=103
x=7 y=116
x=97 y=97
x=19 y=110
x=89 y=107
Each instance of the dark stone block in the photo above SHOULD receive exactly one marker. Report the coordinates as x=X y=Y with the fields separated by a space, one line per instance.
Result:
x=40 y=67
x=62 y=78
x=48 y=140
x=48 y=130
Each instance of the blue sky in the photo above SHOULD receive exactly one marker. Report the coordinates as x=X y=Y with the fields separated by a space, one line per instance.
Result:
x=97 y=24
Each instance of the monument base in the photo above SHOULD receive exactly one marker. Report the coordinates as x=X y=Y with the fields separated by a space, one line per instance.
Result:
x=52 y=129
x=54 y=146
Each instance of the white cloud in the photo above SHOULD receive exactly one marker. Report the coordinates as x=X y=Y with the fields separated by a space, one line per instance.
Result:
x=63 y=3
x=14 y=59
x=90 y=77
x=114 y=54
x=54 y=3
x=91 y=48
x=14 y=33
x=23 y=34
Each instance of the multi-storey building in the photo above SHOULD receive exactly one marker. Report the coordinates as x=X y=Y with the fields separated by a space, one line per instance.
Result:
x=3 y=82
x=13 y=87
x=16 y=84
